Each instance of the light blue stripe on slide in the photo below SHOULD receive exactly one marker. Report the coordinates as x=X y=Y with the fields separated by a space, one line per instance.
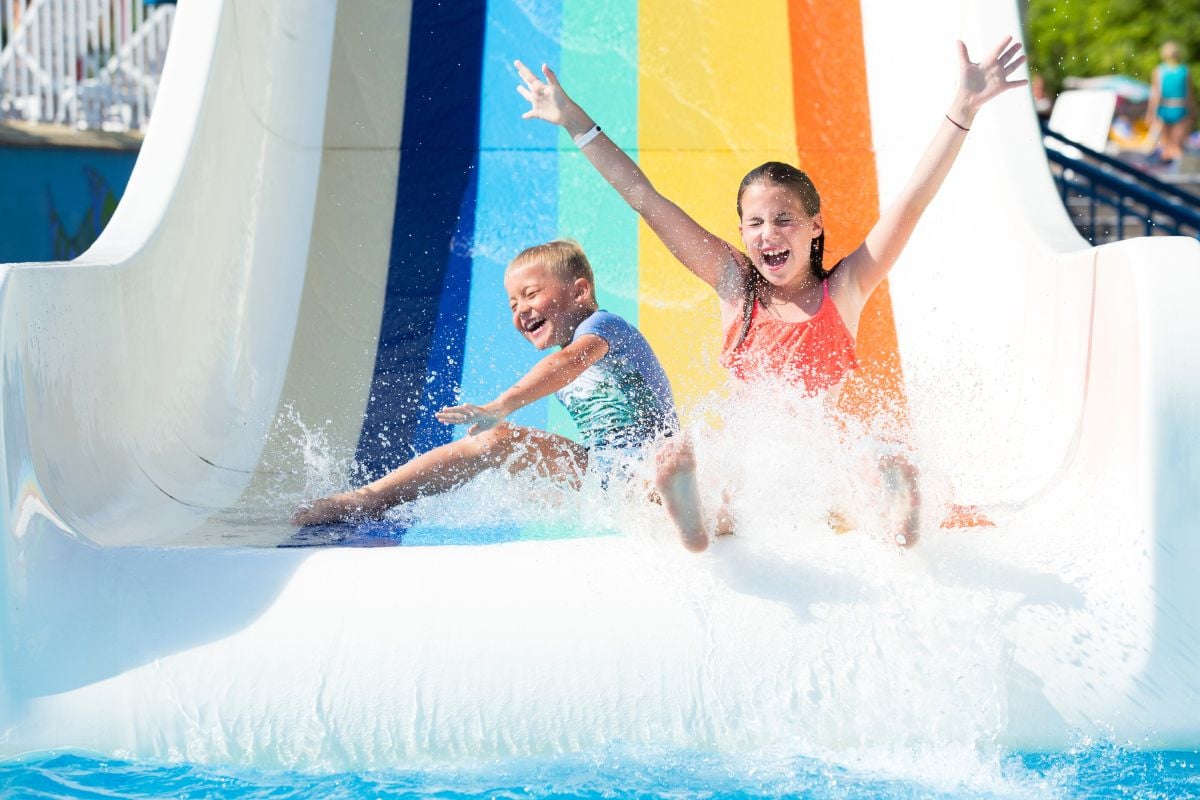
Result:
x=517 y=204
x=599 y=68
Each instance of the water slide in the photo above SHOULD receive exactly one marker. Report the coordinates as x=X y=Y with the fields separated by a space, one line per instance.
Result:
x=307 y=261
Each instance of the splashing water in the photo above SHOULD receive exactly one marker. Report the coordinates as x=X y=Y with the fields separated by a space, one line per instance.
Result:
x=1100 y=770
x=890 y=661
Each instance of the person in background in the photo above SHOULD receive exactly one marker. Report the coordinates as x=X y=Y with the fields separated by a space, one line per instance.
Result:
x=1172 y=107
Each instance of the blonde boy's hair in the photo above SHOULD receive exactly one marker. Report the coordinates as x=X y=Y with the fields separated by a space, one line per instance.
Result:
x=562 y=258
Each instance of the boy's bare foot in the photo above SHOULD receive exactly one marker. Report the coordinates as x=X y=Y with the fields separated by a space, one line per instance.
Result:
x=904 y=502
x=335 y=508
x=675 y=478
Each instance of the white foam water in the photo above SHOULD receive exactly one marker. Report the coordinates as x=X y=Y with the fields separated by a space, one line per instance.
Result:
x=889 y=661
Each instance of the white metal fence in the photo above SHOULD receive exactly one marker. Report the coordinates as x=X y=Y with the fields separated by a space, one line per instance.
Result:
x=86 y=63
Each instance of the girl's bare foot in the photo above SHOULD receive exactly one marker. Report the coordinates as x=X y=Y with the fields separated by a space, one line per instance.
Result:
x=725 y=522
x=960 y=516
x=904 y=502
x=838 y=521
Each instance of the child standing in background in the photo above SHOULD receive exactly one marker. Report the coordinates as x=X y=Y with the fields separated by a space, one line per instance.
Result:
x=1172 y=107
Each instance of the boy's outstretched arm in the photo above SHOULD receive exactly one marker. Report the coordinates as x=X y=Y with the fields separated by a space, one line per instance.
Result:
x=545 y=378
x=706 y=255
x=978 y=83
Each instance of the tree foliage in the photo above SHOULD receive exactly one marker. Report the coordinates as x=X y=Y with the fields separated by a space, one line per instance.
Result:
x=1086 y=38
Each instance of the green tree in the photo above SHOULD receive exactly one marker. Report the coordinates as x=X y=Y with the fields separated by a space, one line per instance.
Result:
x=1085 y=38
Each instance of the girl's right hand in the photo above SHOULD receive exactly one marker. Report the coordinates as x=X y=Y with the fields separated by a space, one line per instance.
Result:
x=547 y=100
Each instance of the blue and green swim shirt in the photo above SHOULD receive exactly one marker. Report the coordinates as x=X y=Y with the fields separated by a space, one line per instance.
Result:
x=624 y=399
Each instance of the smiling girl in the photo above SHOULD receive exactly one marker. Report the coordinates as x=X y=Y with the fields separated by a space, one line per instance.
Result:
x=783 y=313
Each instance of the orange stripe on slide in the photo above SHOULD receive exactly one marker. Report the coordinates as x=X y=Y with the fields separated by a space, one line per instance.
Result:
x=833 y=137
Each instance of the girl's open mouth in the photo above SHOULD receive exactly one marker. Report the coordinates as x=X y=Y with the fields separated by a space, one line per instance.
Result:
x=775 y=258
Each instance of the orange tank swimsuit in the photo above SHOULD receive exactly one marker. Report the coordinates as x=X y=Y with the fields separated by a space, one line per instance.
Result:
x=816 y=353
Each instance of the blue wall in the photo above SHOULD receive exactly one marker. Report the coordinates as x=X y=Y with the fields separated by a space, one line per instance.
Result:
x=54 y=201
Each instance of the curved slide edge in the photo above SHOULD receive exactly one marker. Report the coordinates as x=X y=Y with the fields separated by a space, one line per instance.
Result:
x=147 y=377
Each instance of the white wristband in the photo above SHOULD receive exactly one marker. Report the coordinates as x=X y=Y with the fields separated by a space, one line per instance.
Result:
x=585 y=138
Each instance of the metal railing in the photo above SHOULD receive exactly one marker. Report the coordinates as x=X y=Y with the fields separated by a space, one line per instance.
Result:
x=1106 y=196
x=85 y=63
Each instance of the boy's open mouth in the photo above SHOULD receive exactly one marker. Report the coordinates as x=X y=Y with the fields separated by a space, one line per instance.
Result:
x=533 y=324
x=775 y=258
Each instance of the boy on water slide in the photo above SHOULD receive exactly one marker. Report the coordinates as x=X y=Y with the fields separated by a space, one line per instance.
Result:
x=604 y=373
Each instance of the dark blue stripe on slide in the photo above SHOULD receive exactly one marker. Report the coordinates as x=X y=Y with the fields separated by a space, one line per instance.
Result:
x=444 y=368
x=422 y=332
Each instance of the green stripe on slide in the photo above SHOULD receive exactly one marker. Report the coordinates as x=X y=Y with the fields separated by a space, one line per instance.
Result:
x=599 y=69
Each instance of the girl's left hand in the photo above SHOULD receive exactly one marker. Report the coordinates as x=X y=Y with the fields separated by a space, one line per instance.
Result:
x=980 y=82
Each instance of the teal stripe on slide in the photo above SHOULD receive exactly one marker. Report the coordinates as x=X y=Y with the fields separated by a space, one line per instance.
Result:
x=517 y=202
x=599 y=67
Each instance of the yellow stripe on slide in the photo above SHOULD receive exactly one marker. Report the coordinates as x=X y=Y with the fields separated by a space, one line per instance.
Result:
x=714 y=101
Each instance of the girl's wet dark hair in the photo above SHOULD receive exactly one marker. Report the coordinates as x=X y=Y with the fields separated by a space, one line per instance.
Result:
x=777 y=173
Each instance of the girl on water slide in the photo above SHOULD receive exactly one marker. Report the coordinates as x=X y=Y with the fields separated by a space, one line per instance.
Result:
x=784 y=313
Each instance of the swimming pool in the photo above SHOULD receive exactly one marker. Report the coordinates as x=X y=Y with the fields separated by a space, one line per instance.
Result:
x=1085 y=772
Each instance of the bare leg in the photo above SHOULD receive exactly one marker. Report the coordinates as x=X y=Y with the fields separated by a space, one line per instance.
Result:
x=451 y=465
x=1172 y=140
x=900 y=481
x=675 y=478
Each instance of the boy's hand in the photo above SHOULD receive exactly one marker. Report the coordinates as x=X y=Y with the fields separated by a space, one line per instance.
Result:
x=547 y=100
x=479 y=418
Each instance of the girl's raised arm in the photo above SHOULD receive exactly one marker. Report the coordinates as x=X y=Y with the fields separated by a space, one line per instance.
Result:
x=706 y=255
x=978 y=83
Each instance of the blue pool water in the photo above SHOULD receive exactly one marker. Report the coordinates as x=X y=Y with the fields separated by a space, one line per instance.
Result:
x=1093 y=772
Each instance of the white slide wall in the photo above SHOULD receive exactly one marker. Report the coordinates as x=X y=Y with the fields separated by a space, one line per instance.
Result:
x=1056 y=384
